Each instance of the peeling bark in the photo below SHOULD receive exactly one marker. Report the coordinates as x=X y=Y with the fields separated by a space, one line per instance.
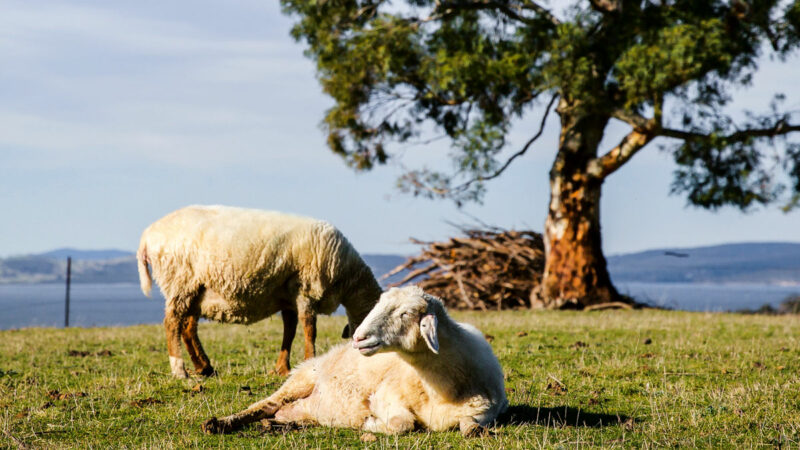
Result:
x=575 y=273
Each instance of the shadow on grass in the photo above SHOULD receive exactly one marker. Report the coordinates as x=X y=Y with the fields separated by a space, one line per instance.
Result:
x=562 y=416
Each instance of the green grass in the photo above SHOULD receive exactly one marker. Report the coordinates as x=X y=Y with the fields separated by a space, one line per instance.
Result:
x=573 y=380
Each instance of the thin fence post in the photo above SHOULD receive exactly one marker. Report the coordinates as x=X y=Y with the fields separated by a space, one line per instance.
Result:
x=66 y=306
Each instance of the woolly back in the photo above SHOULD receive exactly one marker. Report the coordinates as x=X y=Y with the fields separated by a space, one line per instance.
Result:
x=241 y=253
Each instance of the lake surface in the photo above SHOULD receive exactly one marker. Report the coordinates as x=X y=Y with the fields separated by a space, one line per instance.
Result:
x=94 y=305
x=707 y=297
x=91 y=305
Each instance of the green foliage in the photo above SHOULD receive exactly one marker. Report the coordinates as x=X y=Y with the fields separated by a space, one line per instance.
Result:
x=466 y=69
x=668 y=58
x=714 y=172
x=792 y=166
x=624 y=379
x=726 y=165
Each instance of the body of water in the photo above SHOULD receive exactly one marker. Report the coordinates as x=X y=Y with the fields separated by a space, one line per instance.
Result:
x=707 y=297
x=91 y=305
x=94 y=305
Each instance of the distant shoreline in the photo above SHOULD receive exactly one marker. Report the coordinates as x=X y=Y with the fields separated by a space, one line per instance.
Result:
x=123 y=304
x=774 y=264
x=731 y=284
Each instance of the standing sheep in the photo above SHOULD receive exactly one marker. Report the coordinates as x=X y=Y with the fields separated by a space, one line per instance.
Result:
x=238 y=265
x=410 y=364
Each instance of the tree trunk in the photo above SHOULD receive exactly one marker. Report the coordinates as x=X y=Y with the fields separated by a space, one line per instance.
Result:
x=575 y=273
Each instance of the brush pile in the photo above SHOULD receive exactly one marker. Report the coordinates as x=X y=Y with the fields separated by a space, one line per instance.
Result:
x=485 y=269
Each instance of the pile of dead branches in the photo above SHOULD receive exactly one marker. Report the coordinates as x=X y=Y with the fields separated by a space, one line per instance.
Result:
x=485 y=269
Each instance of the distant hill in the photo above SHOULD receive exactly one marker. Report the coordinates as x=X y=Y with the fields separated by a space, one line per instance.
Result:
x=769 y=262
x=773 y=263
x=383 y=264
x=117 y=266
x=86 y=255
x=88 y=266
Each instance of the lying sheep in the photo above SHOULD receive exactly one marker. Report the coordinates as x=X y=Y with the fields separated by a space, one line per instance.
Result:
x=409 y=365
x=240 y=265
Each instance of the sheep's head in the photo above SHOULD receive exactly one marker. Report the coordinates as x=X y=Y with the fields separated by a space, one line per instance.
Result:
x=356 y=314
x=404 y=319
x=364 y=294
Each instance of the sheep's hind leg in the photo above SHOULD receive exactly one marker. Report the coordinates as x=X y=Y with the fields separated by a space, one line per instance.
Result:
x=200 y=360
x=299 y=385
x=289 y=329
x=389 y=415
x=397 y=424
x=173 y=323
x=294 y=414
x=309 y=319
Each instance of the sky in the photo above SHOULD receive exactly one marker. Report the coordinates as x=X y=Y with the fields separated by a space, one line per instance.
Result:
x=113 y=114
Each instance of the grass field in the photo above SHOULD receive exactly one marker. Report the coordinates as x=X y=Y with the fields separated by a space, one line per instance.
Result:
x=610 y=379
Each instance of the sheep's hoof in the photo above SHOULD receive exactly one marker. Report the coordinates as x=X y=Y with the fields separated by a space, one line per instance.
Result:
x=211 y=426
x=475 y=430
x=264 y=426
x=180 y=373
x=280 y=371
x=214 y=426
x=207 y=371
x=270 y=426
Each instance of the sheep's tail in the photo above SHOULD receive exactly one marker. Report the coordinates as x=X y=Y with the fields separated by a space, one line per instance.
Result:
x=145 y=282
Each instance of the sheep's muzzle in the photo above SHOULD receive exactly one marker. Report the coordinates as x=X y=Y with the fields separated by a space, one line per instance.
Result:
x=367 y=346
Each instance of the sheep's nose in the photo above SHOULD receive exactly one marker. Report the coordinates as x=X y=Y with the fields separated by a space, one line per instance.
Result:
x=357 y=338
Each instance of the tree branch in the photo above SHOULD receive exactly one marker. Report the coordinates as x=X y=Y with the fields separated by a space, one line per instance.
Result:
x=636 y=120
x=521 y=152
x=544 y=12
x=644 y=131
x=447 y=9
x=780 y=127
x=606 y=6
x=606 y=165
x=642 y=135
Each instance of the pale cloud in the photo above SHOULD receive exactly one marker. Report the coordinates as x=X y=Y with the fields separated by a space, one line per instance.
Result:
x=181 y=139
x=113 y=113
x=67 y=41
x=252 y=69
x=97 y=84
x=32 y=23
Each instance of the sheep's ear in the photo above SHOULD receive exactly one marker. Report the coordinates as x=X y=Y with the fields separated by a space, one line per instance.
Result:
x=346 y=332
x=427 y=327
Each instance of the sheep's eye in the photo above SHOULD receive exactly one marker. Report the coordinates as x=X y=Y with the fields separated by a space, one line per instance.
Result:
x=404 y=315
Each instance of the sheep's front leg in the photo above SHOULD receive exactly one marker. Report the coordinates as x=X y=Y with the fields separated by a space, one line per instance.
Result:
x=309 y=319
x=299 y=385
x=173 y=323
x=289 y=329
x=257 y=411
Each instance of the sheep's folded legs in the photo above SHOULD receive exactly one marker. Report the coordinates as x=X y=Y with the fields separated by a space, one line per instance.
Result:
x=299 y=385
x=389 y=413
x=257 y=411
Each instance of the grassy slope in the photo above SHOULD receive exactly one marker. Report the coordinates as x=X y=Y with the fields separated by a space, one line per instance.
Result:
x=705 y=380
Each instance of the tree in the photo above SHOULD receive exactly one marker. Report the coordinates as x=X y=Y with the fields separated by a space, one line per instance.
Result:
x=467 y=68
